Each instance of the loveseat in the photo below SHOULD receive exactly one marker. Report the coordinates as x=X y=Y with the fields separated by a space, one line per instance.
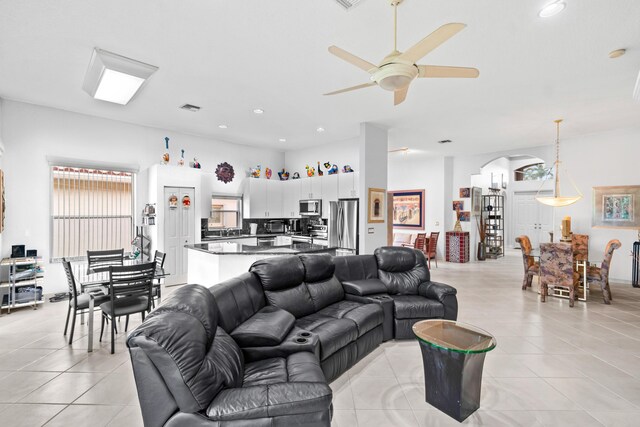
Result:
x=261 y=348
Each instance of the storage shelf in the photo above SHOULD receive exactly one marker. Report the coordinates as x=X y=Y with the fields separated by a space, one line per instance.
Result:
x=493 y=215
x=34 y=279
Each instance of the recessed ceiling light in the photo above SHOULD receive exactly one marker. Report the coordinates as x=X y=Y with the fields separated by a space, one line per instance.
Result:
x=222 y=126
x=115 y=78
x=617 y=53
x=320 y=130
x=258 y=111
x=552 y=9
x=282 y=140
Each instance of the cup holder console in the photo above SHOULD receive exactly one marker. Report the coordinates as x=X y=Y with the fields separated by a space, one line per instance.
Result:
x=305 y=334
x=301 y=340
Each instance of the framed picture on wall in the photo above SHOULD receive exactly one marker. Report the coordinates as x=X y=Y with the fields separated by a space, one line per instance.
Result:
x=408 y=208
x=458 y=205
x=616 y=207
x=375 y=205
x=465 y=192
x=476 y=201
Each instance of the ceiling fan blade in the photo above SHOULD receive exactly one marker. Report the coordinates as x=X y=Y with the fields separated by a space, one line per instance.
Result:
x=432 y=41
x=400 y=95
x=433 y=71
x=352 y=59
x=349 y=89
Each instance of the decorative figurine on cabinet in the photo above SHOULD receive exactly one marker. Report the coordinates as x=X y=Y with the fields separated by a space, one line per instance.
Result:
x=331 y=170
x=320 y=172
x=284 y=175
x=165 y=156
x=296 y=175
x=195 y=164
x=255 y=172
x=267 y=173
x=181 y=161
x=347 y=169
x=311 y=171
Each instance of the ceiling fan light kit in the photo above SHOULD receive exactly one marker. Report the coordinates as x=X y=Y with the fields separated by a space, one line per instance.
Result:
x=398 y=69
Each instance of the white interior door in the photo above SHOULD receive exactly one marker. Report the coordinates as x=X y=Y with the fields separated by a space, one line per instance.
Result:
x=179 y=225
x=531 y=218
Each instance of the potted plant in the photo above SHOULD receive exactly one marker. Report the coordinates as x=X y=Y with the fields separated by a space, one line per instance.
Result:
x=482 y=233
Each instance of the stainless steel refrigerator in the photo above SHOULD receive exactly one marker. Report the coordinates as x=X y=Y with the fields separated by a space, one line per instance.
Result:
x=343 y=226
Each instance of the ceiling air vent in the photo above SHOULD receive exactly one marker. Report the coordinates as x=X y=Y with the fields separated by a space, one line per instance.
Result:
x=348 y=4
x=190 y=107
x=445 y=141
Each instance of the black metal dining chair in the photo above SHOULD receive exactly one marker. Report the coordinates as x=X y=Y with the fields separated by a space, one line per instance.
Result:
x=158 y=258
x=130 y=288
x=99 y=261
x=79 y=303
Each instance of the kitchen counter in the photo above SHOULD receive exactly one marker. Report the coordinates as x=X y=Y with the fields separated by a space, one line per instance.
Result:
x=210 y=263
x=230 y=248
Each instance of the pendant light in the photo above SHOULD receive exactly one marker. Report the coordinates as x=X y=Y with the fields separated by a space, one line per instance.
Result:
x=558 y=200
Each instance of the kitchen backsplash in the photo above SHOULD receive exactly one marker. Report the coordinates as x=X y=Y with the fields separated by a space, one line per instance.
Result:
x=262 y=225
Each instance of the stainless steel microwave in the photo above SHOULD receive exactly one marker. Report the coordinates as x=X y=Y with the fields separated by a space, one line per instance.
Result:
x=311 y=207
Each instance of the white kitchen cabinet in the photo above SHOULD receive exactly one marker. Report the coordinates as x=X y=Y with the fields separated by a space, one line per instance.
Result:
x=291 y=198
x=283 y=240
x=255 y=198
x=329 y=192
x=311 y=188
x=274 y=199
x=348 y=185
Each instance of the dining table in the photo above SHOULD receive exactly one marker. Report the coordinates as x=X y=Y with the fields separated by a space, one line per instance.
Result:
x=96 y=282
x=582 y=266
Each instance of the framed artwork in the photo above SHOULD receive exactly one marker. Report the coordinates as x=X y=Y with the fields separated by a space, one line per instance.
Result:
x=375 y=205
x=476 y=201
x=173 y=201
x=408 y=208
x=458 y=205
x=616 y=207
x=465 y=216
x=465 y=193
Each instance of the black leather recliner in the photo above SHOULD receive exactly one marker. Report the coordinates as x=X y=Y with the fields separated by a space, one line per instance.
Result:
x=397 y=279
x=190 y=372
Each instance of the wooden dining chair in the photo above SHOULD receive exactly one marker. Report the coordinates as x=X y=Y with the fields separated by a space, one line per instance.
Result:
x=130 y=288
x=432 y=248
x=531 y=267
x=600 y=275
x=158 y=259
x=556 y=269
x=100 y=261
x=78 y=303
x=421 y=242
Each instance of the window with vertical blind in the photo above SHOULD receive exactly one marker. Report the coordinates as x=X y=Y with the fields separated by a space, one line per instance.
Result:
x=91 y=209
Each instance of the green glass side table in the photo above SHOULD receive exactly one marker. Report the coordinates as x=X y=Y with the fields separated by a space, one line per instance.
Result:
x=453 y=357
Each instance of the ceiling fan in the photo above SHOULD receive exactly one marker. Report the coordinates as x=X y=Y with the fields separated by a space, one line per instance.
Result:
x=398 y=69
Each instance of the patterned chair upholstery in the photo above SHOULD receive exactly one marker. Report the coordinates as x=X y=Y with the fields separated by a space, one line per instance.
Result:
x=556 y=269
x=531 y=268
x=600 y=275
x=580 y=245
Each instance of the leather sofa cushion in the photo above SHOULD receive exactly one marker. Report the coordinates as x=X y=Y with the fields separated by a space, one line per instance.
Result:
x=355 y=267
x=317 y=267
x=365 y=316
x=325 y=292
x=333 y=333
x=401 y=269
x=416 y=307
x=364 y=287
x=278 y=273
x=274 y=387
x=296 y=300
x=238 y=299
x=268 y=327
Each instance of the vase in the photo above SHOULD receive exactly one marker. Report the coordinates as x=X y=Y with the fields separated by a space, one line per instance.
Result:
x=482 y=251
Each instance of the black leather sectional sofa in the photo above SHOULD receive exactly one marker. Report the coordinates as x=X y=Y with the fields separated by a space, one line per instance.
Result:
x=260 y=349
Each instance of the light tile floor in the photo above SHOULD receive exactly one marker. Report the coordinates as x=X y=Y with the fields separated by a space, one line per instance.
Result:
x=554 y=365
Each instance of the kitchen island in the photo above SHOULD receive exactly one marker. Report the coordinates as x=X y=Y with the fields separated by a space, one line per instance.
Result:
x=210 y=263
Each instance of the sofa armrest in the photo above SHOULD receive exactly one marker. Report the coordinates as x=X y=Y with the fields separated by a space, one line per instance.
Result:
x=296 y=341
x=268 y=327
x=272 y=400
x=445 y=294
x=364 y=287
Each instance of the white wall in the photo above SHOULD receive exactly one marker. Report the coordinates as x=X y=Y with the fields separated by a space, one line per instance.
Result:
x=338 y=153
x=417 y=172
x=1 y=151
x=31 y=133
x=373 y=149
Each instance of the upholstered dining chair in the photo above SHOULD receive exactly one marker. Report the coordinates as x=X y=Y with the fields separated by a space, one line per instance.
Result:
x=580 y=245
x=432 y=248
x=600 y=275
x=556 y=269
x=79 y=303
x=531 y=267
